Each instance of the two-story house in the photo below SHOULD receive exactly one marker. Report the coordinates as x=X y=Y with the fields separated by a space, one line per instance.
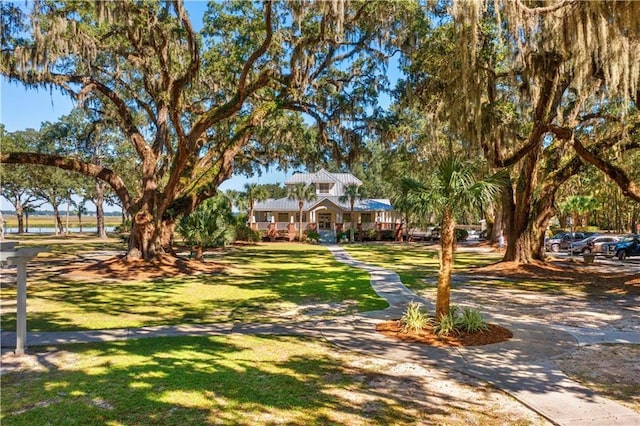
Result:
x=327 y=213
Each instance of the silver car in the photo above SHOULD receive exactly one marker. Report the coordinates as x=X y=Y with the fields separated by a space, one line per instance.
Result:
x=596 y=244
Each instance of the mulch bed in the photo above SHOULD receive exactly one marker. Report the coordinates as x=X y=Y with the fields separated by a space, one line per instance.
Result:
x=163 y=267
x=495 y=334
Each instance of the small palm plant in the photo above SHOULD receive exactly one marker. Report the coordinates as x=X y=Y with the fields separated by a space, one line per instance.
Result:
x=450 y=188
x=414 y=318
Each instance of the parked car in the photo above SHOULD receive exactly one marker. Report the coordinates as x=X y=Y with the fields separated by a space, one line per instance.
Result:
x=627 y=246
x=562 y=240
x=596 y=244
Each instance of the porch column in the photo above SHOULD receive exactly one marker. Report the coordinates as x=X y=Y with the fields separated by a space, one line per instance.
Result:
x=291 y=229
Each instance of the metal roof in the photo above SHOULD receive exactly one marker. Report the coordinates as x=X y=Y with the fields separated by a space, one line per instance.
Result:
x=285 y=204
x=323 y=176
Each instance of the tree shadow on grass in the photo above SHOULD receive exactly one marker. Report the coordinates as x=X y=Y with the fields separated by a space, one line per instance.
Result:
x=242 y=381
x=258 y=288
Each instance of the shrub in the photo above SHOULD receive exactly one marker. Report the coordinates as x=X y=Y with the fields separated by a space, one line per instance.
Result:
x=468 y=320
x=448 y=324
x=342 y=237
x=472 y=321
x=461 y=234
x=245 y=233
x=124 y=227
x=312 y=236
x=414 y=318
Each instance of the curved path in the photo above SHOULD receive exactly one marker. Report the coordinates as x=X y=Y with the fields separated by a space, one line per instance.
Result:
x=522 y=366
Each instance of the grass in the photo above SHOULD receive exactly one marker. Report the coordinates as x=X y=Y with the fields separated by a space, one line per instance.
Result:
x=261 y=283
x=240 y=380
x=414 y=263
x=417 y=266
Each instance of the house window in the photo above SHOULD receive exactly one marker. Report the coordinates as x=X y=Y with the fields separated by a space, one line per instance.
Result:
x=366 y=217
x=283 y=217
x=304 y=217
x=324 y=188
x=346 y=217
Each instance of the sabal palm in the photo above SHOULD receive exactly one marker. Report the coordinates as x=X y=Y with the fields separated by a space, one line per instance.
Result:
x=301 y=193
x=254 y=192
x=450 y=189
x=351 y=193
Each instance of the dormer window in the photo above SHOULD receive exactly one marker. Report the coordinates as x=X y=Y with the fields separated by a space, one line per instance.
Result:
x=324 y=188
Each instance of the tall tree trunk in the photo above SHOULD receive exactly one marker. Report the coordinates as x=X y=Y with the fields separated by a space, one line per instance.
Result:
x=353 y=225
x=300 y=222
x=99 y=200
x=67 y=219
x=447 y=240
x=518 y=236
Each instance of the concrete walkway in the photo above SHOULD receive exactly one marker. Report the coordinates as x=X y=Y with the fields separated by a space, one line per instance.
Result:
x=522 y=366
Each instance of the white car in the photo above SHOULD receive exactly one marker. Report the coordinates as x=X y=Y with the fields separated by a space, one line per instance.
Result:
x=596 y=244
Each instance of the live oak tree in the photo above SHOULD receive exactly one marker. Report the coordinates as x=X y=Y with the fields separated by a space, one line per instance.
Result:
x=189 y=103
x=542 y=90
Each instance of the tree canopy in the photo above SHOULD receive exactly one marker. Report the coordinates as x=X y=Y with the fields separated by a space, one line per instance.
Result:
x=193 y=103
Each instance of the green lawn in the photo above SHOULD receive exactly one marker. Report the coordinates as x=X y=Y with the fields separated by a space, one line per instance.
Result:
x=414 y=262
x=259 y=283
x=240 y=380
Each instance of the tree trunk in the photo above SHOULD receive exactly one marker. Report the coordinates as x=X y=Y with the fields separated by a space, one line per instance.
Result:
x=80 y=221
x=351 y=236
x=99 y=200
x=67 y=219
x=447 y=240
x=58 y=221
x=166 y=236
x=143 y=239
x=20 y=217
x=300 y=230
x=198 y=253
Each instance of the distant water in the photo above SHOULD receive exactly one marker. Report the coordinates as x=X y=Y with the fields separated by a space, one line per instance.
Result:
x=49 y=230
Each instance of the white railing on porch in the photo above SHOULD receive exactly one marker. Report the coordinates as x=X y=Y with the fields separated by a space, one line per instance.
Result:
x=283 y=226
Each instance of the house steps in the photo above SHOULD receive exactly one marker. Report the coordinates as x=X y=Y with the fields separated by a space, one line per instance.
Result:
x=327 y=237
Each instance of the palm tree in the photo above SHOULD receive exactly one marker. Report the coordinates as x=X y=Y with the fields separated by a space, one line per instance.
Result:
x=254 y=192
x=301 y=193
x=352 y=193
x=452 y=190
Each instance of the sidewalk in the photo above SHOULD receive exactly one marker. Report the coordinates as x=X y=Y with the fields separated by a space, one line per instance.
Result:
x=522 y=366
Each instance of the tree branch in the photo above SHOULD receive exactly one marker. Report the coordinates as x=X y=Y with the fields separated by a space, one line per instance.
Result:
x=72 y=164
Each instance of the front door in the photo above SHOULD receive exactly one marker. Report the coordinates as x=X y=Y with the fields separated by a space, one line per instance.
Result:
x=324 y=221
